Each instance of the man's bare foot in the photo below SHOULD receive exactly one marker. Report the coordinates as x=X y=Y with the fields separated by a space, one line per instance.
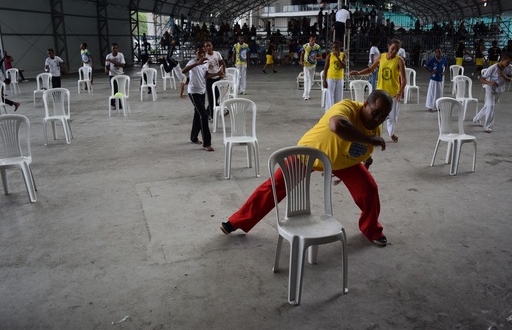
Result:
x=394 y=138
x=16 y=105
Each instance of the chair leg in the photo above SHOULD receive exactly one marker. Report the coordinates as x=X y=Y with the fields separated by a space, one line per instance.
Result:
x=29 y=182
x=3 y=174
x=256 y=158
x=455 y=157
x=45 y=133
x=54 y=130
x=215 y=115
x=344 y=259
x=227 y=161
x=312 y=254
x=474 y=156
x=275 y=269
x=297 y=251
x=435 y=152
x=65 y=129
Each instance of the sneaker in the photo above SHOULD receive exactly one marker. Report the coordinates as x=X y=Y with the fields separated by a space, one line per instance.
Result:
x=488 y=130
x=243 y=93
x=430 y=110
x=275 y=71
x=477 y=123
x=383 y=241
x=226 y=112
x=24 y=80
x=263 y=71
x=226 y=227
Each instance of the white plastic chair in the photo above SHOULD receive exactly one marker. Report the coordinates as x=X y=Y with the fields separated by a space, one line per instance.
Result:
x=122 y=96
x=225 y=87
x=360 y=90
x=298 y=225
x=235 y=77
x=43 y=83
x=57 y=109
x=84 y=78
x=455 y=70
x=148 y=82
x=463 y=92
x=300 y=80
x=167 y=76
x=323 y=90
x=242 y=131
x=455 y=137
x=16 y=151
x=410 y=78
x=14 y=75
x=3 y=105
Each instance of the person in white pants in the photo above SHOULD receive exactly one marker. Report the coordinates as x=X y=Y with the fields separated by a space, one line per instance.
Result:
x=241 y=53
x=494 y=80
x=334 y=75
x=308 y=57
x=436 y=66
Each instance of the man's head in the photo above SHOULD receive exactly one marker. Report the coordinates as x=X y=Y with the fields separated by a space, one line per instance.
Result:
x=376 y=109
x=83 y=46
x=200 y=51
x=51 y=53
x=438 y=53
x=312 y=39
x=208 y=47
x=115 y=48
x=241 y=40
x=505 y=60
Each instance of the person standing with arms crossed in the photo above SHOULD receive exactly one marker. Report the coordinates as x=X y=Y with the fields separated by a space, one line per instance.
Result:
x=241 y=53
x=391 y=79
x=308 y=57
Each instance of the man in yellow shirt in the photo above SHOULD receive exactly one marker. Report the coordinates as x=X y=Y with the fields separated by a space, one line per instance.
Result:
x=240 y=56
x=347 y=133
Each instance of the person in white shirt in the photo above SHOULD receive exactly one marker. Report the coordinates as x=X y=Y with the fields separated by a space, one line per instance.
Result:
x=340 y=25
x=114 y=64
x=215 y=64
x=52 y=64
x=402 y=53
x=374 y=54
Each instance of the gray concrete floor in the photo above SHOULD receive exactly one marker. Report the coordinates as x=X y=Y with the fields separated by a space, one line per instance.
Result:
x=127 y=224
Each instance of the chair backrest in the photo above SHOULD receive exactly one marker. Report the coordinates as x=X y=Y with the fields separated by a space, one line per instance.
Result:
x=123 y=84
x=224 y=87
x=322 y=78
x=164 y=73
x=233 y=71
x=360 y=89
x=43 y=80
x=84 y=73
x=447 y=106
x=13 y=74
x=150 y=74
x=456 y=70
x=410 y=77
x=10 y=140
x=464 y=86
x=296 y=164
x=242 y=115
x=56 y=102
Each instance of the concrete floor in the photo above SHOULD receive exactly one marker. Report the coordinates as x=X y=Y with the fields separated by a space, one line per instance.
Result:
x=126 y=226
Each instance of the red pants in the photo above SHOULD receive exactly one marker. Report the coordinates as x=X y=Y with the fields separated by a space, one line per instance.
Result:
x=358 y=181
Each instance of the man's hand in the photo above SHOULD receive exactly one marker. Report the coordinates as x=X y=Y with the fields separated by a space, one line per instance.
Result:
x=368 y=163
x=378 y=141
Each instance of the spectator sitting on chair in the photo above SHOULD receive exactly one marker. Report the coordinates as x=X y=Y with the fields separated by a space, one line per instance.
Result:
x=8 y=65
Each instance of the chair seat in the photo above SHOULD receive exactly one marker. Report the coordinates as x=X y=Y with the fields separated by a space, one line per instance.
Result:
x=240 y=139
x=15 y=160
x=311 y=226
x=462 y=137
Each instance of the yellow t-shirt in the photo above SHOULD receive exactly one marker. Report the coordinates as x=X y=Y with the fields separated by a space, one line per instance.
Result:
x=241 y=53
x=389 y=75
x=310 y=54
x=343 y=154
x=335 y=70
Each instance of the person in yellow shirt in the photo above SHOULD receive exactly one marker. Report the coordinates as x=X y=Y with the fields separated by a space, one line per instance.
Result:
x=309 y=54
x=347 y=133
x=334 y=75
x=240 y=55
x=391 y=79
